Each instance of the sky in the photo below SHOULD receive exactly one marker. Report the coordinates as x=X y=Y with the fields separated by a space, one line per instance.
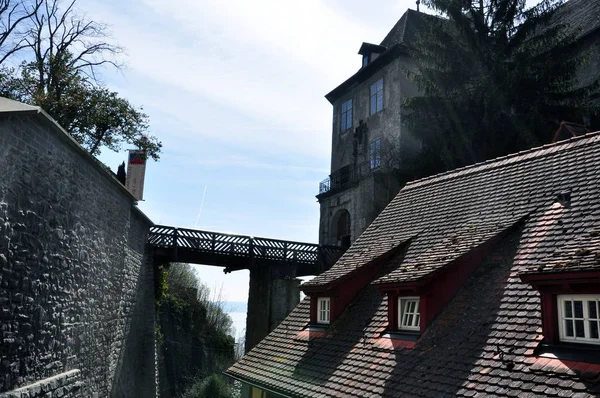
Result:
x=235 y=91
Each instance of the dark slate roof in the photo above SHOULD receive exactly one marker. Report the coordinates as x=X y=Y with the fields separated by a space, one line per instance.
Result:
x=407 y=28
x=583 y=254
x=581 y=16
x=402 y=36
x=484 y=341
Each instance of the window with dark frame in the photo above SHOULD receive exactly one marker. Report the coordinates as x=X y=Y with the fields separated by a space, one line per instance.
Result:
x=376 y=96
x=579 y=318
x=346 y=122
x=375 y=154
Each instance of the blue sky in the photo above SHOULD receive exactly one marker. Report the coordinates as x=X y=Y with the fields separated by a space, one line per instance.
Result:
x=235 y=91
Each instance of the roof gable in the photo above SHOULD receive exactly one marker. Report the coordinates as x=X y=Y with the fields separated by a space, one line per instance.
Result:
x=480 y=198
x=484 y=340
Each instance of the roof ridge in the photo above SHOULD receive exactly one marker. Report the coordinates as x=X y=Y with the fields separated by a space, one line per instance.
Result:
x=433 y=178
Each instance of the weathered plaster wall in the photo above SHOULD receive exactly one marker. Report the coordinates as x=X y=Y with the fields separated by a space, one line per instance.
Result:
x=365 y=200
x=76 y=287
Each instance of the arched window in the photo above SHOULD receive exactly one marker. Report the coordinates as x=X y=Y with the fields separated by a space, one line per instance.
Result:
x=342 y=228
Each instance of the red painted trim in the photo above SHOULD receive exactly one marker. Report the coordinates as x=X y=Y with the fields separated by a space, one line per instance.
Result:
x=550 y=285
x=437 y=288
x=342 y=291
x=549 y=318
x=553 y=278
x=393 y=311
x=313 y=310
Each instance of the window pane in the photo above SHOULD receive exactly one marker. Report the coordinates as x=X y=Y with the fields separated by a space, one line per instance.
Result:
x=568 y=309
x=593 y=309
x=594 y=329
x=380 y=85
x=410 y=319
x=569 y=328
x=578 y=307
x=418 y=321
x=373 y=89
x=579 y=330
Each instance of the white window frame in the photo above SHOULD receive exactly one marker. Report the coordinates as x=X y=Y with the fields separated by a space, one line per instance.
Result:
x=415 y=324
x=585 y=298
x=323 y=310
x=346 y=115
x=376 y=91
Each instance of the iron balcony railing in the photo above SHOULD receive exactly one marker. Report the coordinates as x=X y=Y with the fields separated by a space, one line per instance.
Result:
x=344 y=177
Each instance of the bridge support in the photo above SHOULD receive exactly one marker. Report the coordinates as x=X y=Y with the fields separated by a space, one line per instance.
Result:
x=274 y=293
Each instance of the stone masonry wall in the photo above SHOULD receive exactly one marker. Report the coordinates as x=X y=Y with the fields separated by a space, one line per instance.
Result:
x=76 y=284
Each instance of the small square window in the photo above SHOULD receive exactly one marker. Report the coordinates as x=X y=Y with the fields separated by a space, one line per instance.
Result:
x=376 y=96
x=579 y=318
x=409 y=316
x=346 y=122
x=323 y=305
x=375 y=153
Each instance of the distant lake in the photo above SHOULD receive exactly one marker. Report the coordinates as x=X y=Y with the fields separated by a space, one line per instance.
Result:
x=237 y=310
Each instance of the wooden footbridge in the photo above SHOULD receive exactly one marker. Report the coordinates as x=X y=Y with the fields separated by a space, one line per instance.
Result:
x=235 y=252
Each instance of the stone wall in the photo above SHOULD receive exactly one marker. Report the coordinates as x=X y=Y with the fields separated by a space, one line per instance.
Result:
x=76 y=284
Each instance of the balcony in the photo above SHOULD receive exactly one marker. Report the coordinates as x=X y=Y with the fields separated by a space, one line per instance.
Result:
x=344 y=178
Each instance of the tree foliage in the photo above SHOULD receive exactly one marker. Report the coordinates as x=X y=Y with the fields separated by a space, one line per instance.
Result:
x=497 y=77
x=213 y=386
x=61 y=52
x=197 y=340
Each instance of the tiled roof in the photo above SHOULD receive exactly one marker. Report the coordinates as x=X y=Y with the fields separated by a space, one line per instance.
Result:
x=443 y=208
x=583 y=254
x=482 y=343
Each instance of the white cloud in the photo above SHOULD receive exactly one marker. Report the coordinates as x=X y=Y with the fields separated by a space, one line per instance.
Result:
x=269 y=60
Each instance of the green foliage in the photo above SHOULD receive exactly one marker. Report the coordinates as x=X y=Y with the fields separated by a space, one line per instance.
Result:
x=160 y=284
x=213 y=386
x=197 y=343
x=60 y=53
x=497 y=78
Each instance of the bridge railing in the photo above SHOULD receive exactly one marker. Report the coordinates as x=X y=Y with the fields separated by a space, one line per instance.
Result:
x=243 y=246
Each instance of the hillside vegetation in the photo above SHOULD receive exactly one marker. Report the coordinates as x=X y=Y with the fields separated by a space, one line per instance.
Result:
x=194 y=338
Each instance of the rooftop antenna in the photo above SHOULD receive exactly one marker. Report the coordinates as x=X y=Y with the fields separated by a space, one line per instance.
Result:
x=418 y=2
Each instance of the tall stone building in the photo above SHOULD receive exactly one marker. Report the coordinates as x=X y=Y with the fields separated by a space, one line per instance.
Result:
x=368 y=138
x=367 y=135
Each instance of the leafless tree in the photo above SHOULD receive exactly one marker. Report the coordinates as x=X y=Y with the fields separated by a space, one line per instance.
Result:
x=62 y=39
x=14 y=18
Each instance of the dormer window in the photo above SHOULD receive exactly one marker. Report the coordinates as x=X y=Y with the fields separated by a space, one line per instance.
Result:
x=579 y=318
x=370 y=52
x=409 y=316
x=323 y=310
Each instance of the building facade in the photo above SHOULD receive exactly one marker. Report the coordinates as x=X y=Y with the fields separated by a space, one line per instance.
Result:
x=368 y=137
